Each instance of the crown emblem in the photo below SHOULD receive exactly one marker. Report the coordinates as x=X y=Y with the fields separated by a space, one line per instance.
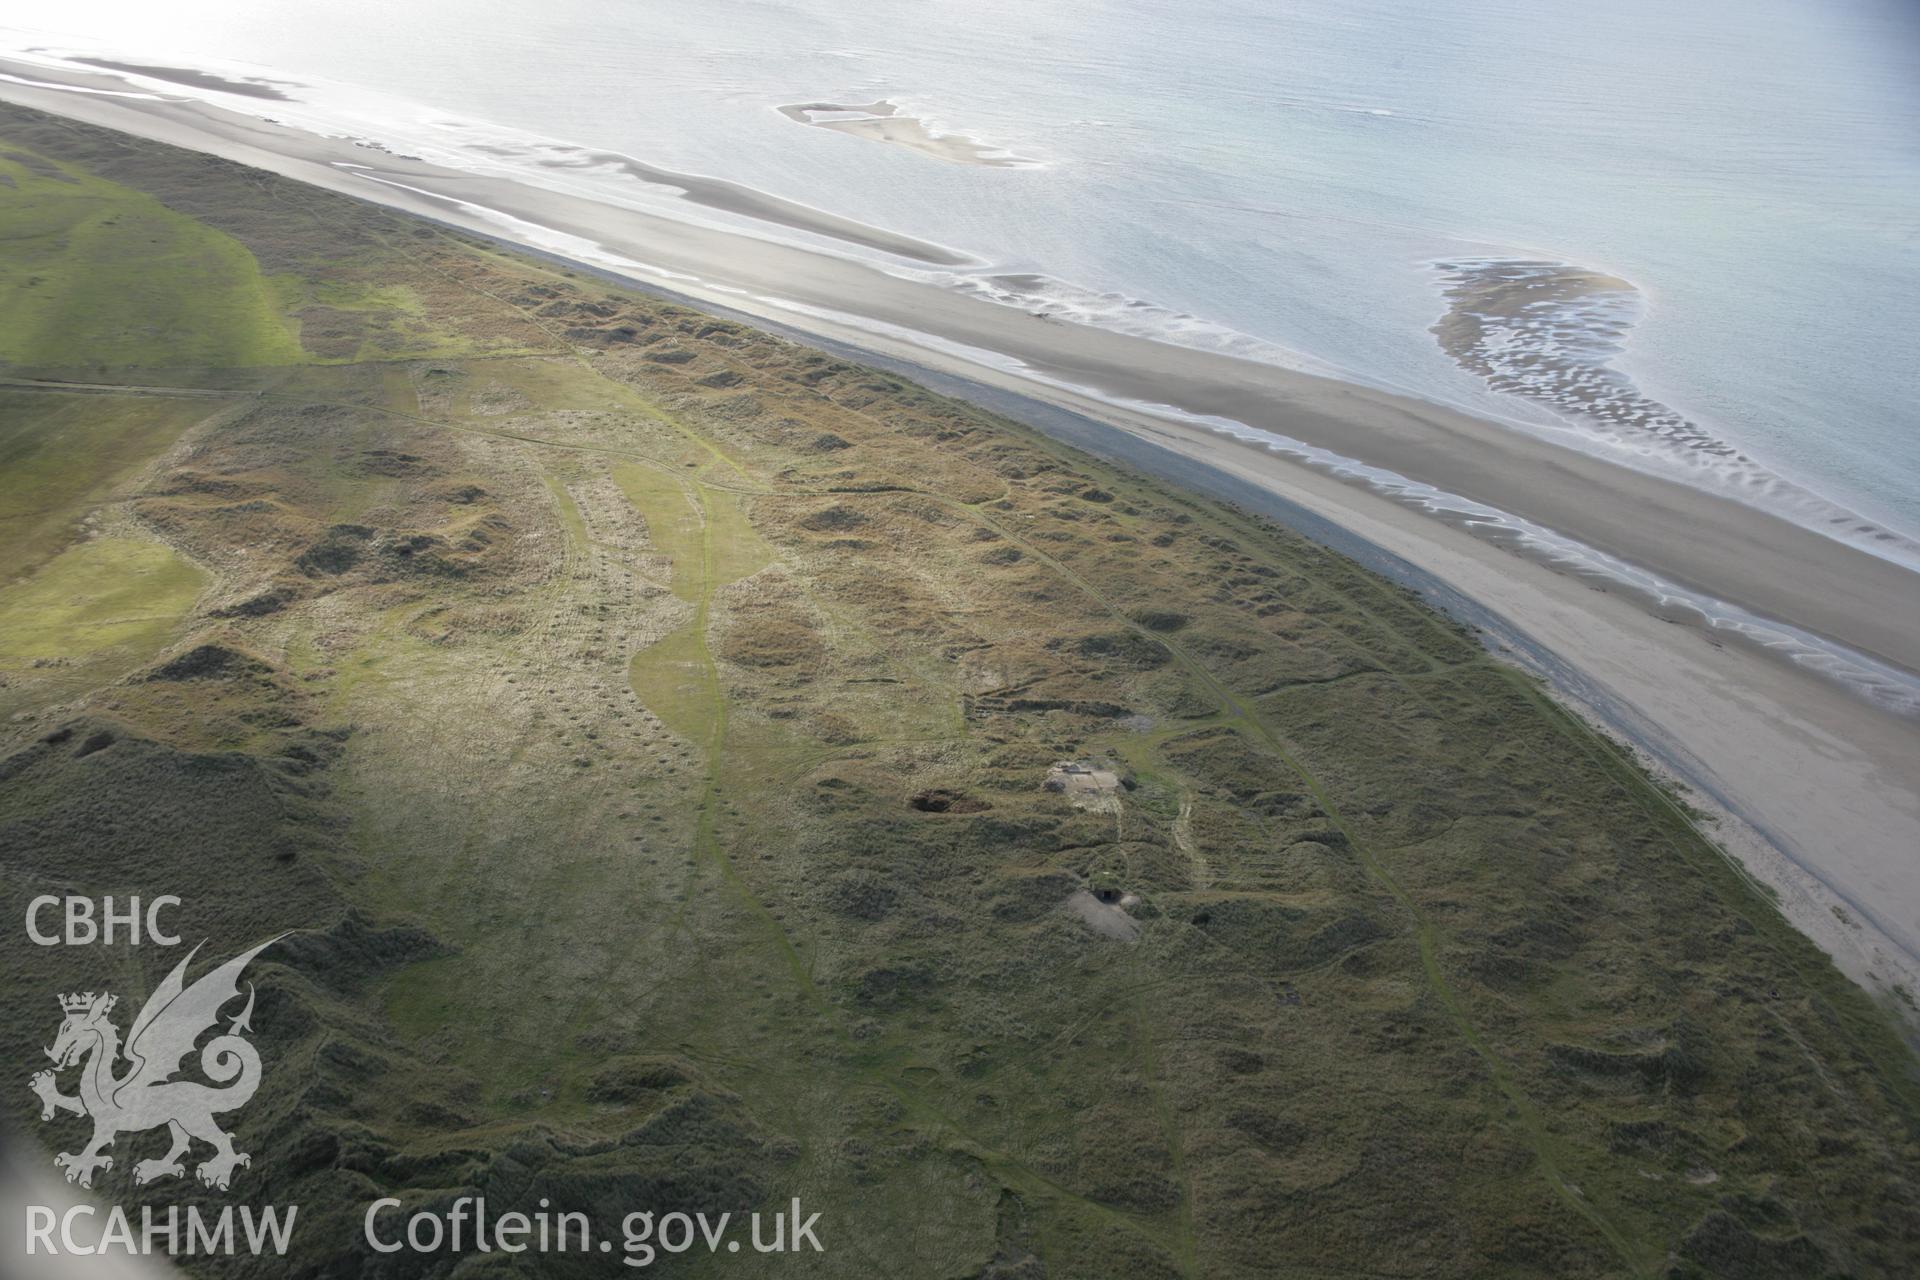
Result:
x=78 y=1003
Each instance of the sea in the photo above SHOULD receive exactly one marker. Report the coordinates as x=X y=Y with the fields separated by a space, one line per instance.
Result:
x=1682 y=236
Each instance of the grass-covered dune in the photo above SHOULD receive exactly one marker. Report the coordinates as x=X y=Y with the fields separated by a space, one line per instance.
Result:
x=644 y=725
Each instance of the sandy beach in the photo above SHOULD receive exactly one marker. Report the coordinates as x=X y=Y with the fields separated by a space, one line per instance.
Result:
x=1813 y=793
x=1815 y=785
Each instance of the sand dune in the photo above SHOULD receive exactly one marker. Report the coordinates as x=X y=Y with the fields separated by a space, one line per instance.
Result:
x=1819 y=784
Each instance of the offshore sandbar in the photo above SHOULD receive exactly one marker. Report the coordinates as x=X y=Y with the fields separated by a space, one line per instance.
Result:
x=1822 y=772
x=883 y=121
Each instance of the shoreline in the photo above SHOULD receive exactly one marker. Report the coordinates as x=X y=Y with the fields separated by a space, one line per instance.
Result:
x=1708 y=544
x=1565 y=400
x=1809 y=775
x=1796 y=733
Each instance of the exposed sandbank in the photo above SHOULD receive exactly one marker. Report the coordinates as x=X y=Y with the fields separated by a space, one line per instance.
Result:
x=1827 y=779
x=882 y=122
x=731 y=197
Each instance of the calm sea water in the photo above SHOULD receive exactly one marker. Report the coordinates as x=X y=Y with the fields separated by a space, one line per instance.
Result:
x=1320 y=181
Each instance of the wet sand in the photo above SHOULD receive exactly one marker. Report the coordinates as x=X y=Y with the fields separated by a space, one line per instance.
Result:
x=731 y=197
x=1812 y=790
x=1822 y=786
x=882 y=122
x=194 y=79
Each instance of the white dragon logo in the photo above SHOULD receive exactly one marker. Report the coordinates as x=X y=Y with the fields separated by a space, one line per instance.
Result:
x=147 y=1096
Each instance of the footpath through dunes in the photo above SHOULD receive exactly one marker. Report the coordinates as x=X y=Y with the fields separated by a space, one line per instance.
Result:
x=645 y=725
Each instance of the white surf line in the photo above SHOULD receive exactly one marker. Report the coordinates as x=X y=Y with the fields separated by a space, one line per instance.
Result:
x=408 y=130
x=98 y=93
x=1880 y=683
x=564 y=243
x=1567 y=349
x=1779 y=493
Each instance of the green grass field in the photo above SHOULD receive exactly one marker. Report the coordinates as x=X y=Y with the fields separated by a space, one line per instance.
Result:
x=97 y=275
x=62 y=456
x=107 y=593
